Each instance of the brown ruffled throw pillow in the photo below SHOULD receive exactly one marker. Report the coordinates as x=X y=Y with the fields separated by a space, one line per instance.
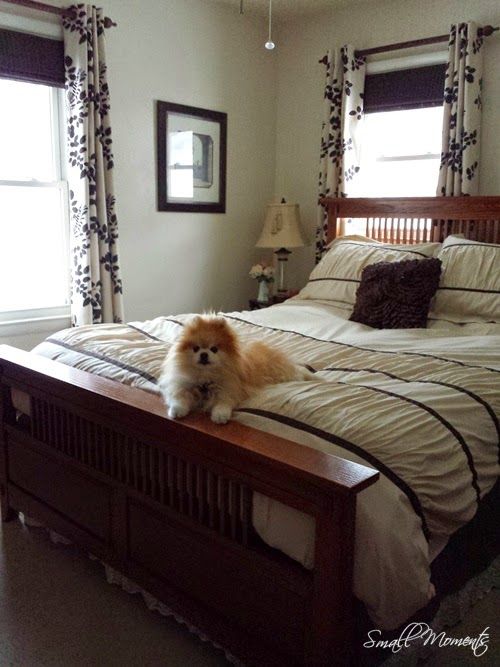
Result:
x=396 y=295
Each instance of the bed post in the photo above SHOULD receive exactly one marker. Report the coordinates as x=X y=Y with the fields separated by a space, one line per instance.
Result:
x=330 y=641
x=7 y=415
x=332 y=208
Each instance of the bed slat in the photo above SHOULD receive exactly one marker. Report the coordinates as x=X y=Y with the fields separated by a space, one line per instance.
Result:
x=215 y=501
x=418 y=219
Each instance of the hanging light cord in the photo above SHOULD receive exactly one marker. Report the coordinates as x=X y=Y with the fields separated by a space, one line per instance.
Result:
x=270 y=17
x=270 y=44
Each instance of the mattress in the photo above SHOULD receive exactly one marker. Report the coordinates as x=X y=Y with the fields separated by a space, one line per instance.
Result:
x=422 y=406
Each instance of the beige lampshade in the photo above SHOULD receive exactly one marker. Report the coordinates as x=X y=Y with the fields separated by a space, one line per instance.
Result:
x=281 y=227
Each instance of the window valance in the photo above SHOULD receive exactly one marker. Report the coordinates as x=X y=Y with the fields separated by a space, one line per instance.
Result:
x=31 y=58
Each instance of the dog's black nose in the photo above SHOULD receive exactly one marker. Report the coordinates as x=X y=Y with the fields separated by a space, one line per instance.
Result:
x=204 y=358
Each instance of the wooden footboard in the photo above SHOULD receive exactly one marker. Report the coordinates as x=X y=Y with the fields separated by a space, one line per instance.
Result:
x=169 y=505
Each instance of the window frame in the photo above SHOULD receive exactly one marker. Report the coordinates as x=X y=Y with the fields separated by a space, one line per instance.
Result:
x=398 y=64
x=43 y=315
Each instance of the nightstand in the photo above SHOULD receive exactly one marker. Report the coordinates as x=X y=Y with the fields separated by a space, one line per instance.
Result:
x=253 y=304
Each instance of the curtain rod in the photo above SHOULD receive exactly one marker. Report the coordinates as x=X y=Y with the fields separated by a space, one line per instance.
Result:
x=486 y=31
x=50 y=9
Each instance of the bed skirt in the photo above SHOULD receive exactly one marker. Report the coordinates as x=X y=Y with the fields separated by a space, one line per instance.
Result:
x=452 y=609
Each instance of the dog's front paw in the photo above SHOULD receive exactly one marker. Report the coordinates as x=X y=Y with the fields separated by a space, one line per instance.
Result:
x=177 y=411
x=221 y=414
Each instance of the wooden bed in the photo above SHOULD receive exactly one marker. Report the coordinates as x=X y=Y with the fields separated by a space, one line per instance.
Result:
x=168 y=504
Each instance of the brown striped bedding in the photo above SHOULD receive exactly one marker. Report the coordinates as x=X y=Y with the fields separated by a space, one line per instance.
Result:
x=422 y=406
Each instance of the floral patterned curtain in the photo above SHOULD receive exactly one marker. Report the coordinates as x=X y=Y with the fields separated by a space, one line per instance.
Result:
x=458 y=173
x=343 y=113
x=96 y=286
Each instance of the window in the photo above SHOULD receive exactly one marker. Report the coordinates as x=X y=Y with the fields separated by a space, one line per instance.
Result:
x=34 y=271
x=400 y=153
x=401 y=133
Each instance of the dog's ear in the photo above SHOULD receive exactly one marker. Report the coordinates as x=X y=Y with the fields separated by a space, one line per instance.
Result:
x=195 y=321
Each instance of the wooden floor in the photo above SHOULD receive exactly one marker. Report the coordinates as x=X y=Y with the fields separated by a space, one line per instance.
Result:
x=57 y=610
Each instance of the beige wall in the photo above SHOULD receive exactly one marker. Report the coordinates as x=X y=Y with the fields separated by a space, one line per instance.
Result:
x=205 y=55
x=303 y=41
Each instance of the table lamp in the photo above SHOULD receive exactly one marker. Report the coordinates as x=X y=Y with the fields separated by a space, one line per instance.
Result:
x=281 y=230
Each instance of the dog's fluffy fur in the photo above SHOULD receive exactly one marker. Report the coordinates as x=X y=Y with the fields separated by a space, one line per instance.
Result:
x=209 y=368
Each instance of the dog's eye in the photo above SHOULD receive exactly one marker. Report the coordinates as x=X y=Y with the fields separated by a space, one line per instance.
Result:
x=196 y=348
x=213 y=349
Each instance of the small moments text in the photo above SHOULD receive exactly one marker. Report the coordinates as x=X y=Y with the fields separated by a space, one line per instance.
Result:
x=421 y=631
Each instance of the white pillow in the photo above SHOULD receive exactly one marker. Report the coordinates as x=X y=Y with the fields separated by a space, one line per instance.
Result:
x=338 y=274
x=469 y=289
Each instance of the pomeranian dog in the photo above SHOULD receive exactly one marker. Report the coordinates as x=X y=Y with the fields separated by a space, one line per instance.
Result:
x=209 y=368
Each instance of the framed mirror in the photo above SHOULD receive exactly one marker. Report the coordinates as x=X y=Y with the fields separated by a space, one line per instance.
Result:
x=191 y=158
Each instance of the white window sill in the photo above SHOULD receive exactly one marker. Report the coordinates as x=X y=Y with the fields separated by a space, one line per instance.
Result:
x=34 y=325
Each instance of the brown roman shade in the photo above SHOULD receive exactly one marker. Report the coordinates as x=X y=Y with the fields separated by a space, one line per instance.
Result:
x=31 y=58
x=405 y=89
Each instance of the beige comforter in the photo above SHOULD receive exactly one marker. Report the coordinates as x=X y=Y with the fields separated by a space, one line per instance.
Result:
x=420 y=406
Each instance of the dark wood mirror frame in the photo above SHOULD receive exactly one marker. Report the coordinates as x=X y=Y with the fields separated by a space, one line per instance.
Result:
x=163 y=110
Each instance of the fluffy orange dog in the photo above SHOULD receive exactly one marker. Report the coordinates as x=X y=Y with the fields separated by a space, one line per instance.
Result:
x=209 y=368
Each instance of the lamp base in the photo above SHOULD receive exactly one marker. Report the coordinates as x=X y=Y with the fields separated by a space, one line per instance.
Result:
x=282 y=255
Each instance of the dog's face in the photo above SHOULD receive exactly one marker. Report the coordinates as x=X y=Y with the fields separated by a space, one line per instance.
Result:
x=206 y=344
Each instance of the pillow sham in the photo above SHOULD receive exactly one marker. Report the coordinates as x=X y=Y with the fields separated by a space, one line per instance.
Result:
x=470 y=281
x=338 y=274
x=397 y=295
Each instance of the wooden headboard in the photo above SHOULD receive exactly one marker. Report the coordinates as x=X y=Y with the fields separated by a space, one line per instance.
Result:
x=411 y=220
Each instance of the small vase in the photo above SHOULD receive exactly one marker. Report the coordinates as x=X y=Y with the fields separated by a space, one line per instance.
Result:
x=263 y=295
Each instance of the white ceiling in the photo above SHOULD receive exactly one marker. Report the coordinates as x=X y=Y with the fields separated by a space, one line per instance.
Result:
x=286 y=8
